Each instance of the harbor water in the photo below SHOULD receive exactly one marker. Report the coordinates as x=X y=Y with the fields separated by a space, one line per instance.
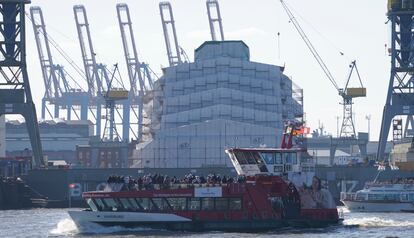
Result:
x=56 y=223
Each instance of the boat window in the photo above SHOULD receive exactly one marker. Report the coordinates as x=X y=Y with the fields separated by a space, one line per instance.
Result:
x=112 y=204
x=268 y=157
x=261 y=164
x=288 y=167
x=177 y=204
x=308 y=168
x=278 y=169
x=386 y=197
x=222 y=203
x=411 y=197
x=361 y=196
x=278 y=158
x=100 y=205
x=207 y=203
x=166 y=204
x=294 y=158
x=144 y=203
x=240 y=157
x=91 y=204
x=194 y=204
x=250 y=158
x=287 y=158
x=160 y=204
x=375 y=196
x=235 y=203
x=257 y=157
x=134 y=204
x=393 y=197
x=126 y=204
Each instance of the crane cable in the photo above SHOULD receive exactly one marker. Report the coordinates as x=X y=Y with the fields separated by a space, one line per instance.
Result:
x=55 y=45
x=310 y=46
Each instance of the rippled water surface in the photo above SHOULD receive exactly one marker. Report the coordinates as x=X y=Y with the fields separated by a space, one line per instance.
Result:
x=56 y=223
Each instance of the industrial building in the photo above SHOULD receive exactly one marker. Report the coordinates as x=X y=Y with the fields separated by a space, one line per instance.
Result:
x=220 y=100
x=59 y=138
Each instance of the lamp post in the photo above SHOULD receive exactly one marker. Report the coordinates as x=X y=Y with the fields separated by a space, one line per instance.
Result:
x=368 y=117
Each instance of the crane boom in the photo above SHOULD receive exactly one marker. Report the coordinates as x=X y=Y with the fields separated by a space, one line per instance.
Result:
x=214 y=18
x=130 y=49
x=167 y=20
x=310 y=46
x=50 y=79
x=88 y=54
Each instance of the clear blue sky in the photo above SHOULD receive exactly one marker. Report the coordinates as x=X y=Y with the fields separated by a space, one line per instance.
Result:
x=354 y=27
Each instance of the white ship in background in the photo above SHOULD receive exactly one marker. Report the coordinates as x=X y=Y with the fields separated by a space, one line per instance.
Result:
x=386 y=196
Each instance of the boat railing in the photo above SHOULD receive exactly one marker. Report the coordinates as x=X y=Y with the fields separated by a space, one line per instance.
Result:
x=348 y=196
x=185 y=185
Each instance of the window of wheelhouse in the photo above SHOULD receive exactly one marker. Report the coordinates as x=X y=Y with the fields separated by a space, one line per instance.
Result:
x=240 y=157
x=269 y=158
x=251 y=159
x=294 y=158
x=278 y=158
x=290 y=158
x=272 y=157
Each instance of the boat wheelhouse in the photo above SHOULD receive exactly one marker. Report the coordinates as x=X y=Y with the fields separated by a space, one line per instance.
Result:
x=294 y=164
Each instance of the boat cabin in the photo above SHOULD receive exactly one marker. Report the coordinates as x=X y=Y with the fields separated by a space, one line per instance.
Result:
x=294 y=164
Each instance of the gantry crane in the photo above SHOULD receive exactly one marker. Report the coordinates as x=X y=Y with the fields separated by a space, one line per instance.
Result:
x=15 y=93
x=347 y=93
x=400 y=94
x=141 y=82
x=58 y=91
x=97 y=74
x=214 y=18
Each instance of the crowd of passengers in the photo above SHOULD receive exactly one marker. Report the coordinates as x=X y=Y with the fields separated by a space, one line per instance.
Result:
x=164 y=181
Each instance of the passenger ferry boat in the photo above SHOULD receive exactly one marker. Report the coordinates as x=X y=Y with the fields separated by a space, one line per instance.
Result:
x=267 y=199
x=381 y=197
